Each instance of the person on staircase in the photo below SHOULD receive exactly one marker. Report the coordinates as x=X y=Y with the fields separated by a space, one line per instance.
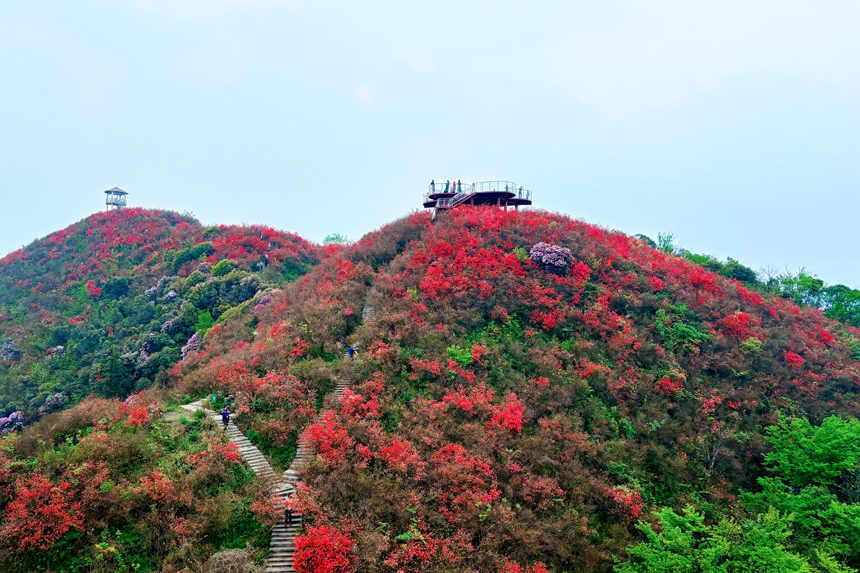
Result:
x=225 y=416
x=288 y=508
x=350 y=352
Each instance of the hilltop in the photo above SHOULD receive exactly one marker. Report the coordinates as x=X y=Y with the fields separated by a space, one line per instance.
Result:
x=106 y=304
x=532 y=389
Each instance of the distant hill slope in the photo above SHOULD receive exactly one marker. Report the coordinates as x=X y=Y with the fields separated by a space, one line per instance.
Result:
x=518 y=406
x=106 y=304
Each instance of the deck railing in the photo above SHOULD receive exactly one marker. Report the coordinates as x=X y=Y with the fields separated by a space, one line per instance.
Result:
x=449 y=188
x=467 y=189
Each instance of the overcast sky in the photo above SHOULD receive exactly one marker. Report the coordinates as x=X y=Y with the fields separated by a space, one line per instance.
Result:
x=734 y=125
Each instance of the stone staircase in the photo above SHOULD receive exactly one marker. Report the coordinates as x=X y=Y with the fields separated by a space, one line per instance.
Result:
x=255 y=458
x=282 y=545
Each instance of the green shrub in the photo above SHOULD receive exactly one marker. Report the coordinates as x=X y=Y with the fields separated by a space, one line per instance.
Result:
x=194 y=279
x=223 y=268
x=462 y=356
x=751 y=345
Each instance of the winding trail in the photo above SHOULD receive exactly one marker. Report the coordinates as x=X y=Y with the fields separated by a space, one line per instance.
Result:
x=283 y=543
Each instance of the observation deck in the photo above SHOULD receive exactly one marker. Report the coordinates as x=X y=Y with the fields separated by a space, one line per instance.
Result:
x=115 y=198
x=442 y=196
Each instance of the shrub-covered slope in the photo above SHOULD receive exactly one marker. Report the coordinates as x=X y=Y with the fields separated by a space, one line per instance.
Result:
x=107 y=486
x=106 y=304
x=519 y=409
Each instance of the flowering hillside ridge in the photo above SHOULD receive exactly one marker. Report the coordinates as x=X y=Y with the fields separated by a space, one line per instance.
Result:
x=108 y=303
x=532 y=392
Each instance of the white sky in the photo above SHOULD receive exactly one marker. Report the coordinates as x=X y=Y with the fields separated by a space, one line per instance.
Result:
x=733 y=124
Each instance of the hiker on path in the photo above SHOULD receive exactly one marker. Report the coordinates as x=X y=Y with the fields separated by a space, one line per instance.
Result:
x=447 y=185
x=459 y=186
x=288 y=509
x=225 y=416
x=350 y=352
x=432 y=186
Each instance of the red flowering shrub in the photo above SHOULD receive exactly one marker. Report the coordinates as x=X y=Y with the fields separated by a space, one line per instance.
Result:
x=402 y=456
x=463 y=482
x=629 y=503
x=508 y=416
x=669 y=386
x=329 y=438
x=737 y=325
x=323 y=550
x=793 y=360
x=40 y=514
x=515 y=568
x=136 y=408
x=92 y=289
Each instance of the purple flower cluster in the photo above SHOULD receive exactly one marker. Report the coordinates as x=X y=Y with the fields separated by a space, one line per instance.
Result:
x=170 y=295
x=52 y=403
x=9 y=352
x=166 y=327
x=12 y=422
x=262 y=302
x=192 y=344
x=151 y=292
x=554 y=259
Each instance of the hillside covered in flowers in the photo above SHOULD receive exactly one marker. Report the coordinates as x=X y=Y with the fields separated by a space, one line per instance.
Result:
x=530 y=393
x=534 y=393
x=106 y=304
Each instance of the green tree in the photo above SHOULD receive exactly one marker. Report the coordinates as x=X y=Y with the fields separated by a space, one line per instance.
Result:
x=666 y=242
x=804 y=454
x=114 y=375
x=685 y=544
x=737 y=271
x=804 y=288
x=223 y=267
x=336 y=239
x=841 y=303
x=647 y=240
x=204 y=322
